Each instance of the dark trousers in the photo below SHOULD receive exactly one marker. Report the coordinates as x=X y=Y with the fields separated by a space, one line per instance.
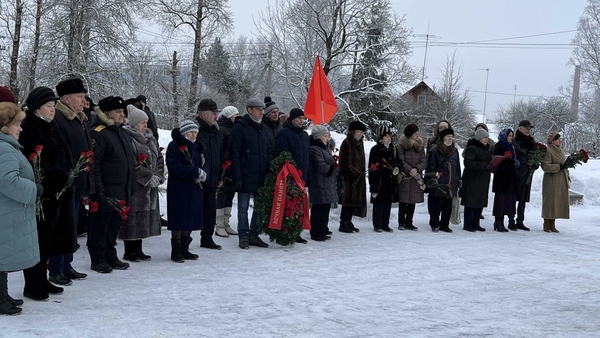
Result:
x=521 y=211
x=35 y=276
x=209 y=212
x=436 y=206
x=381 y=215
x=319 y=218
x=472 y=217
x=346 y=213
x=225 y=199
x=102 y=236
x=59 y=264
x=406 y=212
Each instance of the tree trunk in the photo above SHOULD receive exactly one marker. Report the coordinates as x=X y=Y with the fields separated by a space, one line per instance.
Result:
x=36 y=45
x=174 y=72
x=196 y=57
x=14 y=57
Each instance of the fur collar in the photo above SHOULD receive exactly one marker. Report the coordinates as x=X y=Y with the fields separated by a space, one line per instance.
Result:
x=105 y=119
x=68 y=113
x=407 y=143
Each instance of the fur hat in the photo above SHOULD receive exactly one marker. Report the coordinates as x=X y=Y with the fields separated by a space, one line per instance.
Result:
x=111 y=103
x=186 y=126
x=481 y=133
x=254 y=103
x=357 y=125
x=70 y=86
x=6 y=95
x=553 y=136
x=295 y=113
x=208 y=104
x=410 y=130
x=382 y=130
x=270 y=105
x=135 y=115
x=9 y=115
x=133 y=101
x=141 y=98
x=445 y=132
x=318 y=130
x=39 y=97
x=230 y=111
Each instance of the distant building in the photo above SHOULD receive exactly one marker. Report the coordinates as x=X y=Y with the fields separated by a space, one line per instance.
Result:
x=419 y=97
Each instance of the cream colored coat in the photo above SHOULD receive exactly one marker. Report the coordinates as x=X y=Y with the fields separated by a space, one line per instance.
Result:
x=555 y=186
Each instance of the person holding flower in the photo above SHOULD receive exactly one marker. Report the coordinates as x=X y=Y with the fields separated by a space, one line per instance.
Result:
x=57 y=229
x=18 y=193
x=555 y=184
x=523 y=143
x=113 y=177
x=411 y=150
x=353 y=169
x=185 y=194
x=144 y=217
x=505 y=182
x=225 y=192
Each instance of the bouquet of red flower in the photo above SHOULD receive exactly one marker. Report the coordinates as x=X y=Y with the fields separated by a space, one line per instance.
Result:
x=120 y=206
x=93 y=206
x=576 y=158
x=535 y=158
x=83 y=164
x=36 y=158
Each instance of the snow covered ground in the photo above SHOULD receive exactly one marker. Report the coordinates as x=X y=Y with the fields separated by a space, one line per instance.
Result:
x=403 y=284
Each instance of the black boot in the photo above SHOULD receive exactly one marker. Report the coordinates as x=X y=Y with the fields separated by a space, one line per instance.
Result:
x=522 y=226
x=6 y=308
x=345 y=227
x=511 y=225
x=355 y=229
x=33 y=287
x=141 y=255
x=499 y=225
x=185 y=248
x=50 y=288
x=130 y=253
x=176 y=255
x=207 y=242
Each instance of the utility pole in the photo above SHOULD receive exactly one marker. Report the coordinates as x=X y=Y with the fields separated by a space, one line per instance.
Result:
x=269 y=85
x=515 y=96
x=487 y=75
x=427 y=37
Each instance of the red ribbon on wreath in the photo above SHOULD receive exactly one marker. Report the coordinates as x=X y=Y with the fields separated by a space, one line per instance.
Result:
x=279 y=197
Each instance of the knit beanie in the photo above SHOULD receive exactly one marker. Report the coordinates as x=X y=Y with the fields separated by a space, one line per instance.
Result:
x=554 y=135
x=6 y=95
x=269 y=105
x=318 y=130
x=39 y=97
x=410 y=130
x=186 y=126
x=230 y=111
x=382 y=131
x=135 y=115
x=481 y=133
x=295 y=113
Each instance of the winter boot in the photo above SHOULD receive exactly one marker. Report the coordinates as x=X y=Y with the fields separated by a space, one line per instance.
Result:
x=345 y=227
x=226 y=219
x=141 y=255
x=207 y=242
x=33 y=287
x=511 y=225
x=176 y=255
x=551 y=224
x=499 y=225
x=130 y=251
x=522 y=226
x=220 y=224
x=547 y=225
x=50 y=288
x=244 y=243
x=256 y=241
x=6 y=308
x=185 y=248
x=355 y=229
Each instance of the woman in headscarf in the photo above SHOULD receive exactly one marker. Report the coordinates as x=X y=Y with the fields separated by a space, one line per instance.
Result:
x=411 y=150
x=555 y=185
x=504 y=186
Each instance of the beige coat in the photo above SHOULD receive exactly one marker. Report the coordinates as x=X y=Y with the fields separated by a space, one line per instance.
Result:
x=555 y=186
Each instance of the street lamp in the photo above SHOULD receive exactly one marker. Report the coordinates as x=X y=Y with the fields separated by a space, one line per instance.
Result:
x=487 y=75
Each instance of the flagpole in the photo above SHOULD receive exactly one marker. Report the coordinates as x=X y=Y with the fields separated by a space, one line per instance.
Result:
x=321 y=96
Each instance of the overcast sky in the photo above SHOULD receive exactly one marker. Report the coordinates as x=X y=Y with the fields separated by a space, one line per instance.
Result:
x=535 y=70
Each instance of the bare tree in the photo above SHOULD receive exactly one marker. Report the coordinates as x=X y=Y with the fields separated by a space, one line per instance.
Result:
x=587 y=42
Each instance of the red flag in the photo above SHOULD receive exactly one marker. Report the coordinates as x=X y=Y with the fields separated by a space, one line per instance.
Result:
x=320 y=104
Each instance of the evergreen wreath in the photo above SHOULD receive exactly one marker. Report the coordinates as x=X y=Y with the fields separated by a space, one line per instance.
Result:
x=291 y=226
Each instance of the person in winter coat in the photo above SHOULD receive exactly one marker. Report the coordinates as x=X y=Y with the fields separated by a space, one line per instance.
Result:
x=433 y=141
x=185 y=198
x=225 y=192
x=271 y=122
x=411 y=151
x=352 y=163
x=209 y=136
x=505 y=182
x=250 y=152
x=56 y=229
x=555 y=184
x=323 y=191
x=384 y=166
x=523 y=144
x=18 y=192
x=113 y=178
x=476 y=180
x=71 y=122
x=144 y=216
x=443 y=174
x=491 y=144
x=152 y=125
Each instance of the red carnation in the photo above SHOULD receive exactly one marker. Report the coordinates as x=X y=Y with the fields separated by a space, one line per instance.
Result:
x=142 y=158
x=32 y=156
x=374 y=166
x=94 y=206
x=161 y=149
x=39 y=148
x=507 y=154
x=182 y=148
x=585 y=155
x=121 y=203
x=87 y=168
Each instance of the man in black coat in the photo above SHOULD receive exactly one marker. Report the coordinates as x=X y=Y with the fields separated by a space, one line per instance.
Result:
x=71 y=120
x=113 y=178
x=225 y=194
x=271 y=120
x=523 y=143
x=151 y=116
x=211 y=139
x=250 y=152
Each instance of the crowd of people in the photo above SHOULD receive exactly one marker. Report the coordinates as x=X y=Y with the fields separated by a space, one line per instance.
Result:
x=70 y=166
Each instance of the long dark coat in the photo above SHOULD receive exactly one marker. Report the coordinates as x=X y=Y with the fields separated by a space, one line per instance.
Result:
x=184 y=196
x=57 y=233
x=144 y=216
x=296 y=141
x=273 y=127
x=555 y=185
x=412 y=154
x=476 y=177
x=322 y=173
x=113 y=174
x=443 y=159
x=382 y=181
x=505 y=176
x=523 y=144
x=211 y=139
x=352 y=164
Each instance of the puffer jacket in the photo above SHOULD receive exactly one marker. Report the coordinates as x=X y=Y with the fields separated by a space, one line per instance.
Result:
x=296 y=141
x=323 y=174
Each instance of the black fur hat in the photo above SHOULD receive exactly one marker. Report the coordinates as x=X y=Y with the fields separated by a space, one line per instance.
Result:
x=357 y=125
x=70 y=86
x=111 y=103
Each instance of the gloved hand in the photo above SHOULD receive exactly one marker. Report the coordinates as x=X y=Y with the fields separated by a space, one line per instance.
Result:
x=201 y=175
x=154 y=181
x=413 y=172
x=374 y=195
x=396 y=171
x=517 y=163
x=70 y=180
x=237 y=186
x=40 y=189
x=563 y=166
